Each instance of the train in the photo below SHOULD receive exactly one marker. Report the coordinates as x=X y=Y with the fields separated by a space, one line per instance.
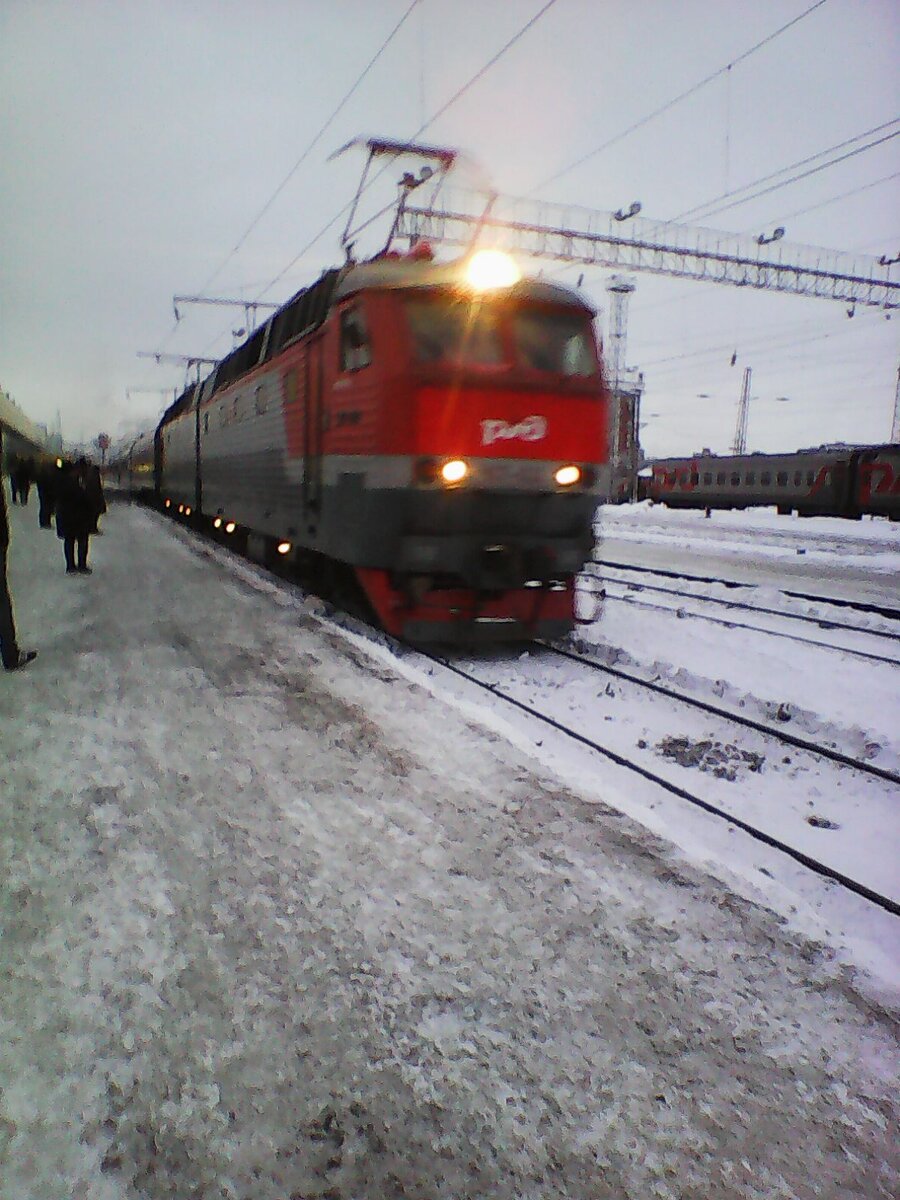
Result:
x=432 y=436
x=828 y=482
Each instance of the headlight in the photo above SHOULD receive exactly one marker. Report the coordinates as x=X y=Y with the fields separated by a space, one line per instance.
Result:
x=488 y=269
x=454 y=471
x=284 y=547
x=566 y=476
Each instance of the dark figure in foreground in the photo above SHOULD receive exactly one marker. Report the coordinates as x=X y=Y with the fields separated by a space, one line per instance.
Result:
x=75 y=516
x=93 y=486
x=13 y=468
x=47 y=481
x=20 y=474
x=11 y=655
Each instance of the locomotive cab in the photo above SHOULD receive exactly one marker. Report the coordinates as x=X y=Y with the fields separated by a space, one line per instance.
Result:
x=483 y=413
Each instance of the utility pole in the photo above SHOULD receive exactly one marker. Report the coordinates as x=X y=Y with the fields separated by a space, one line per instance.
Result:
x=895 y=424
x=740 y=432
x=619 y=289
x=625 y=423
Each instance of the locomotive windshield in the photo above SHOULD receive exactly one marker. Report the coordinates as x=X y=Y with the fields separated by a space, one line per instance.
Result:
x=553 y=341
x=445 y=330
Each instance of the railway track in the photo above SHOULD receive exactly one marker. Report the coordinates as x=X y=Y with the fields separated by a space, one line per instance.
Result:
x=820 y=868
x=631 y=587
x=772 y=731
x=891 y=614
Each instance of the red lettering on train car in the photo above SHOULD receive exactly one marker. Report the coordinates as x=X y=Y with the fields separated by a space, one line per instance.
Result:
x=690 y=477
x=885 y=485
x=820 y=482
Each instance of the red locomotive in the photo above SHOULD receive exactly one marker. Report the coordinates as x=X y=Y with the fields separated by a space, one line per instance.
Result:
x=435 y=433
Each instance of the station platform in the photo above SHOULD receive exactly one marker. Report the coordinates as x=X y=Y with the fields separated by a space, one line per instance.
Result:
x=277 y=922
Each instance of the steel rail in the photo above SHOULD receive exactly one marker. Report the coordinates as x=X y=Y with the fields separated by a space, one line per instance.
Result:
x=822 y=622
x=790 y=739
x=788 y=637
x=892 y=614
x=852 y=885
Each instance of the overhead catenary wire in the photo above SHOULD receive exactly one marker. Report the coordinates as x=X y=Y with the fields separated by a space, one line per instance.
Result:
x=440 y=112
x=658 y=112
x=431 y=120
x=693 y=213
x=318 y=137
x=759 y=345
x=309 y=148
x=707 y=211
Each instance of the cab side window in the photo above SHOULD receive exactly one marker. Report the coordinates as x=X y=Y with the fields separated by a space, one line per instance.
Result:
x=356 y=350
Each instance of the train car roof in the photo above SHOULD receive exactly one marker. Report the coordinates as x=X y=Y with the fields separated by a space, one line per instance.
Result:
x=384 y=274
x=755 y=456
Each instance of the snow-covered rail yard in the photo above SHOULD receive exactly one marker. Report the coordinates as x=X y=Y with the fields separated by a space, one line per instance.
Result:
x=288 y=911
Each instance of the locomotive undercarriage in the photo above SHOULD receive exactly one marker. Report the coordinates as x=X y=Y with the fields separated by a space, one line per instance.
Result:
x=440 y=609
x=475 y=566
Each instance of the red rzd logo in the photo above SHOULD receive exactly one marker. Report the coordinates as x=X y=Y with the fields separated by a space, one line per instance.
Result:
x=532 y=429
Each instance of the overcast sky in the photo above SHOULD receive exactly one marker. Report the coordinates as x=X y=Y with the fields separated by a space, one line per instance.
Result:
x=140 y=141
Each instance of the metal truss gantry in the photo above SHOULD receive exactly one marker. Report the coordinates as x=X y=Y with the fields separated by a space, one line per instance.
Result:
x=625 y=241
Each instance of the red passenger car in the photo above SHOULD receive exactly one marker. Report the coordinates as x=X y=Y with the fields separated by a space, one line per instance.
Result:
x=848 y=481
x=437 y=436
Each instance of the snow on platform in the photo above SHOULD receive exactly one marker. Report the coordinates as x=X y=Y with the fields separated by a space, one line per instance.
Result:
x=277 y=922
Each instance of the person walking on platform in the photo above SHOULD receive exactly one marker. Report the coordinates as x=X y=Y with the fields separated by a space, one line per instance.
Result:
x=21 y=478
x=74 y=516
x=12 y=657
x=93 y=486
x=14 y=469
x=46 y=480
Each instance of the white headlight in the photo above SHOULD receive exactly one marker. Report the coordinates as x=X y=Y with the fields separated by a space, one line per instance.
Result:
x=454 y=471
x=488 y=269
x=566 y=476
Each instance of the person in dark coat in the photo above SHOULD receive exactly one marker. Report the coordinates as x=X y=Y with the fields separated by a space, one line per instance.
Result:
x=74 y=516
x=46 y=479
x=21 y=479
x=12 y=657
x=14 y=469
x=93 y=486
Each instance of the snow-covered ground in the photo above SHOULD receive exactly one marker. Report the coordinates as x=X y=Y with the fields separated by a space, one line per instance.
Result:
x=826 y=555
x=285 y=914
